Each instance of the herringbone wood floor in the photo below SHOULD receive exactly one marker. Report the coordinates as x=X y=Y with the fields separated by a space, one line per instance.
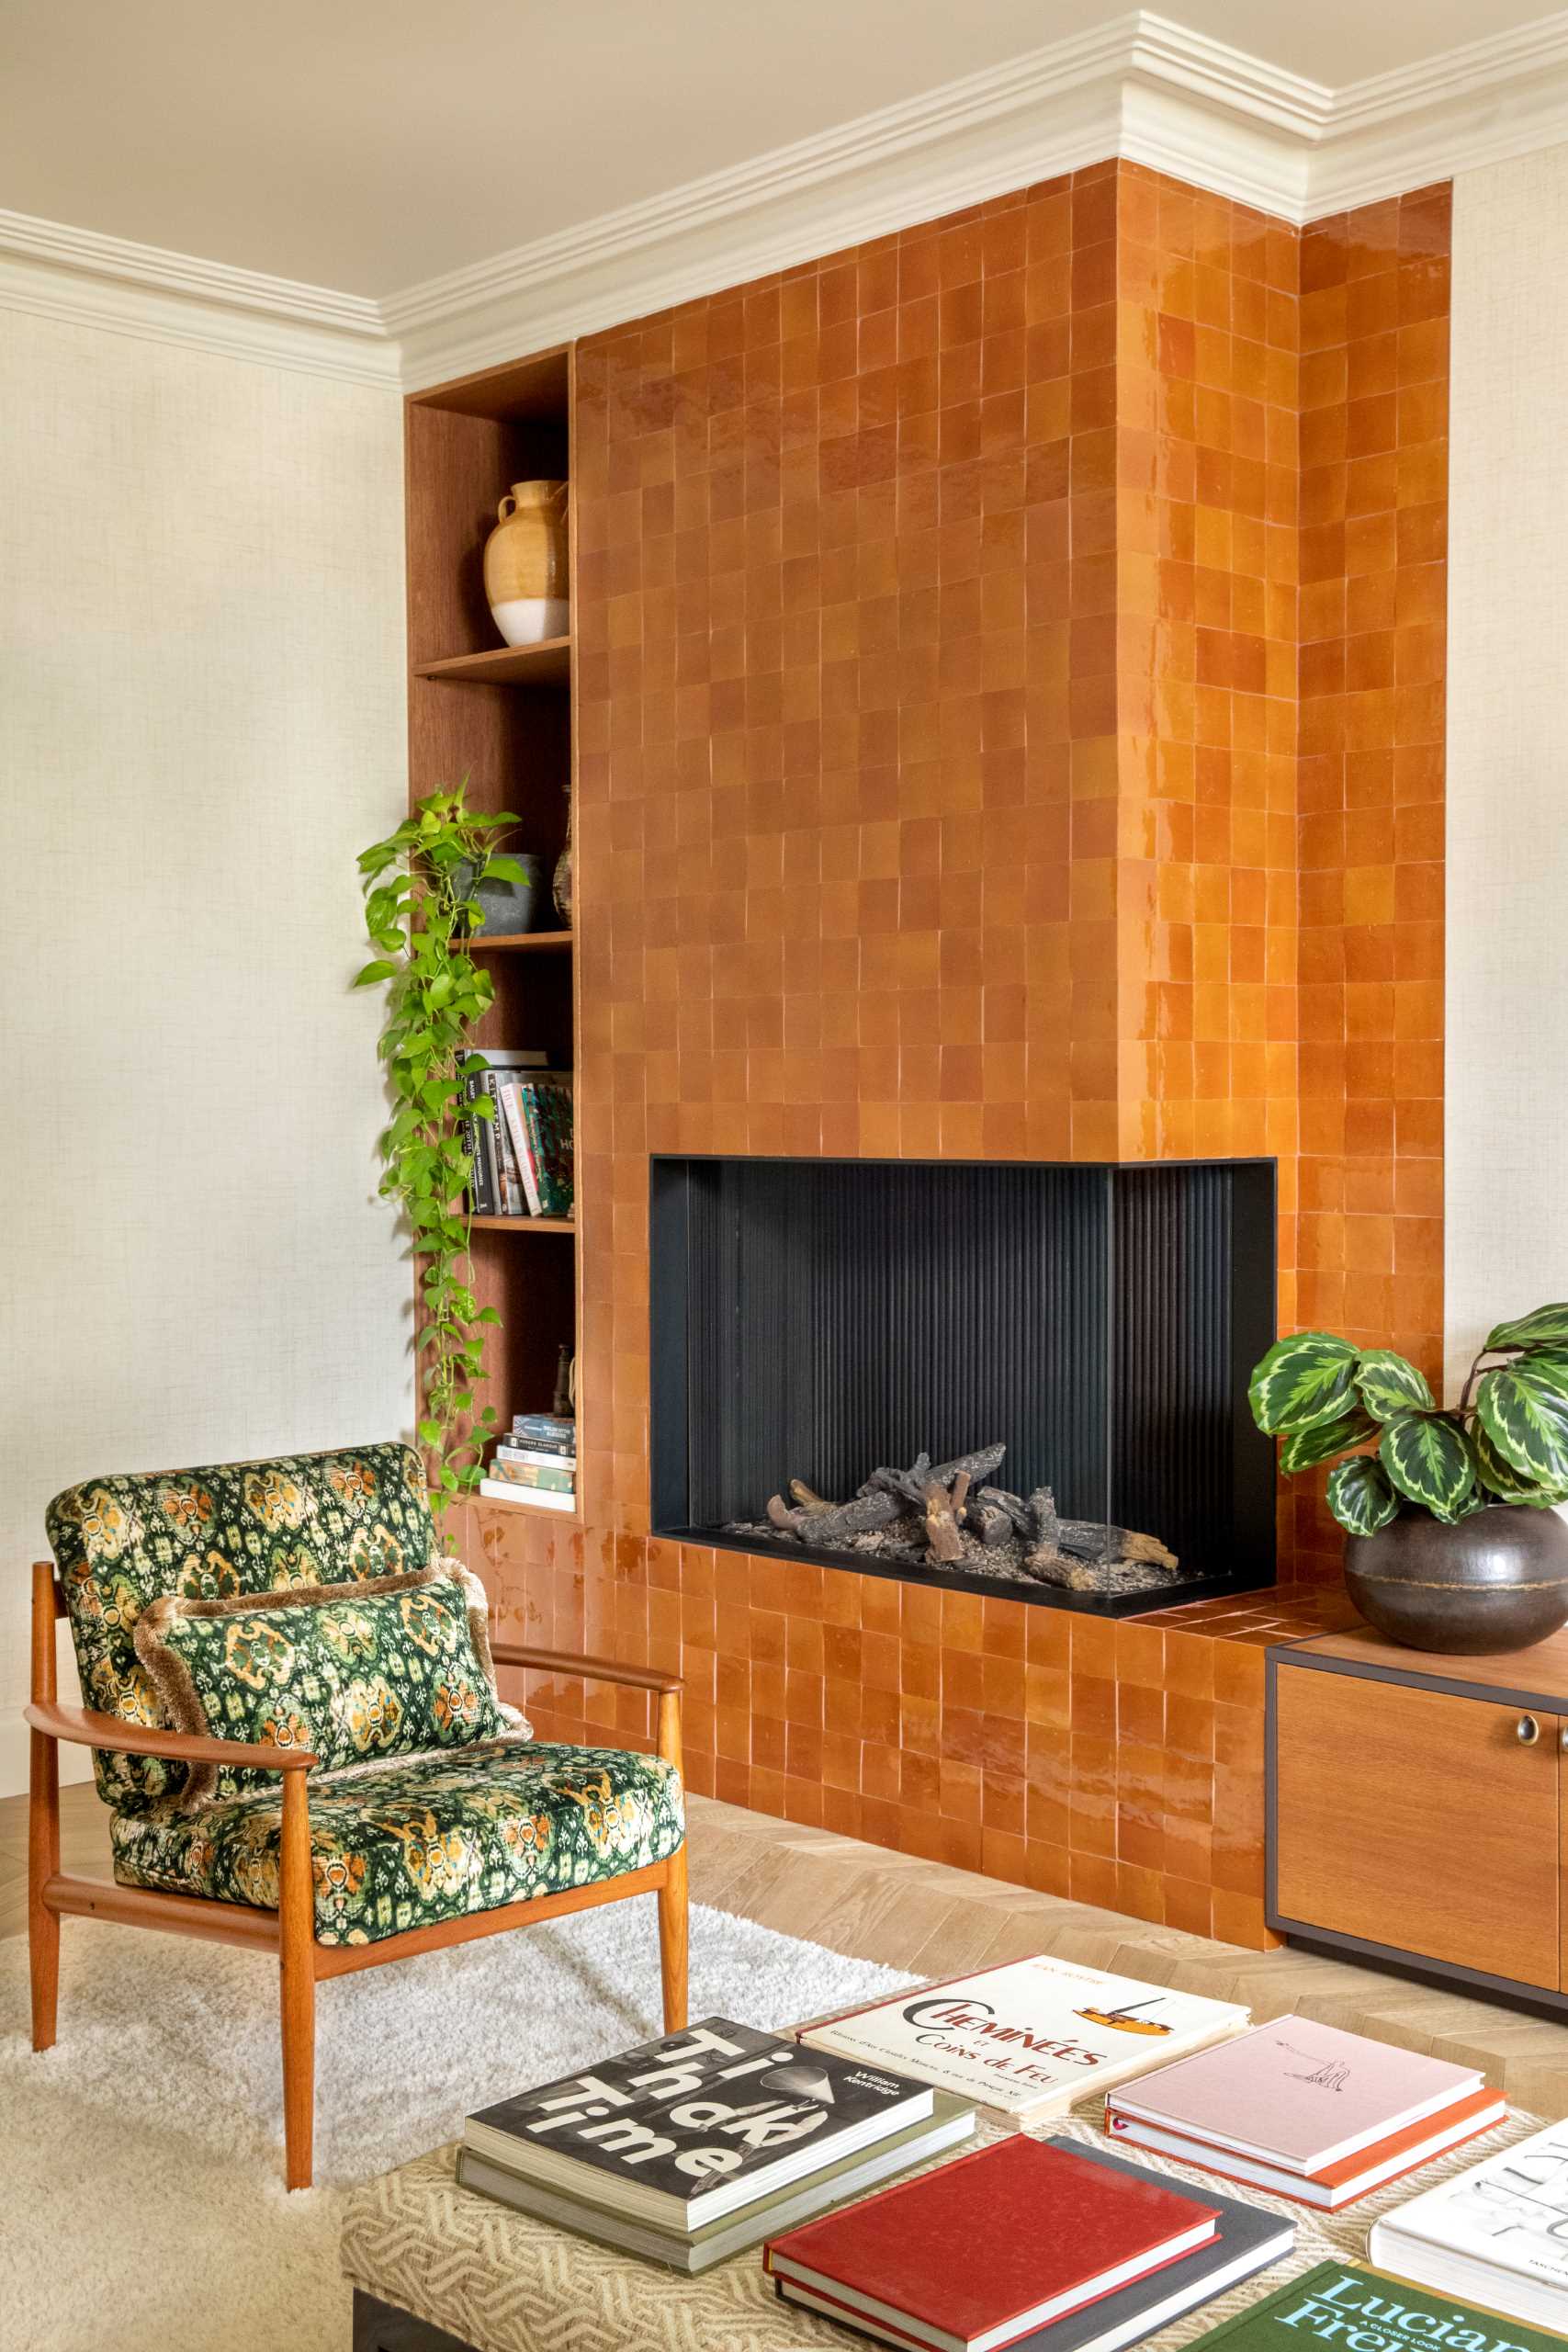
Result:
x=934 y=1922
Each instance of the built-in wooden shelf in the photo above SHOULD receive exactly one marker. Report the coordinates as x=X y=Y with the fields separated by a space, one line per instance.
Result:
x=517 y=942
x=511 y=735
x=523 y=1224
x=548 y=663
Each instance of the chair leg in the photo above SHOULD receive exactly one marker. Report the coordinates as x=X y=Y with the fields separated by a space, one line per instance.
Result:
x=298 y=1991
x=297 y=1984
x=43 y=1863
x=672 y=1941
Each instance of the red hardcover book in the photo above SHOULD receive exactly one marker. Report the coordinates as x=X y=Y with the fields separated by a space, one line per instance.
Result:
x=978 y=2252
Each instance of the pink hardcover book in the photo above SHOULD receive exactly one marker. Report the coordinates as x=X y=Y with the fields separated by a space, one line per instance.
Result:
x=1295 y=2092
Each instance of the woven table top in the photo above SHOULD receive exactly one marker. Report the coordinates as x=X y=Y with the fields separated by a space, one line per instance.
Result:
x=505 y=2282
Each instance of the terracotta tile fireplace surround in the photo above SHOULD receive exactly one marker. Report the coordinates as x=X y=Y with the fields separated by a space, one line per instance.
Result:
x=1010 y=675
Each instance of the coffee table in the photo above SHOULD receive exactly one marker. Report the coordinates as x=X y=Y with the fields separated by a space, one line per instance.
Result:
x=439 y=2268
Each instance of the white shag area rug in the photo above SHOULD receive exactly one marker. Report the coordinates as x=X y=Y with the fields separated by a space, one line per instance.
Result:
x=141 y=2201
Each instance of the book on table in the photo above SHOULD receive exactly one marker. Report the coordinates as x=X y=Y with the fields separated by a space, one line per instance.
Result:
x=1336 y=2184
x=1027 y=2040
x=1304 y=2109
x=595 y=2212
x=1353 y=2308
x=990 y=2248
x=688 y=2129
x=1246 y=2239
x=1497 y=2232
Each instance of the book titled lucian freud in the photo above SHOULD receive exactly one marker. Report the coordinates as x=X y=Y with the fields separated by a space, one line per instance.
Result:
x=1027 y=2040
x=1354 y=2309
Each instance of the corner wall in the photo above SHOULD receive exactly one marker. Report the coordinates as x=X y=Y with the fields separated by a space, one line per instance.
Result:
x=939 y=629
x=201 y=722
x=1507 y=833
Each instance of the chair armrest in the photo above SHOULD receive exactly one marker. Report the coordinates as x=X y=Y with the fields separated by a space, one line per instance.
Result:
x=86 y=1728
x=593 y=1669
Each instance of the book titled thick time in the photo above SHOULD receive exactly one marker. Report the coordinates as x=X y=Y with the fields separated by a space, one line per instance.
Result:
x=982 y=2251
x=696 y=2125
x=1354 y=2309
x=1027 y=2040
x=692 y=2251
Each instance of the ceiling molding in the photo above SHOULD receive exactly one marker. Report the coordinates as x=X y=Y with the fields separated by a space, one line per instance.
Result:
x=89 y=280
x=1141 y=86
x=984 y=136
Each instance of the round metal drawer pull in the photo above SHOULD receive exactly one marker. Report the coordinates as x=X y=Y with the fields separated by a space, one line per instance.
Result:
x=1529 y=1730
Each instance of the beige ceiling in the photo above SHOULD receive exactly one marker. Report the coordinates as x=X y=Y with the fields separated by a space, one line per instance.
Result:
x=368 y=144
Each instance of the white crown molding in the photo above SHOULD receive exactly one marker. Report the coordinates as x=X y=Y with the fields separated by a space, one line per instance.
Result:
x=1140 y=86
x=89 y=280
x=1487 y=103
x=980 y=137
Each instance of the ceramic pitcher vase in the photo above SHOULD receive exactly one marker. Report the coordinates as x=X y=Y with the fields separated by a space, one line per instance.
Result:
x=526 y=563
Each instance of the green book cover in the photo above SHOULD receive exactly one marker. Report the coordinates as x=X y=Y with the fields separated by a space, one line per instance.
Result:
x=1358 y=2310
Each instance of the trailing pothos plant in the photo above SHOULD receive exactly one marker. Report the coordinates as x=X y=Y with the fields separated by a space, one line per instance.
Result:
x=1504 y=1443
x=419 y=911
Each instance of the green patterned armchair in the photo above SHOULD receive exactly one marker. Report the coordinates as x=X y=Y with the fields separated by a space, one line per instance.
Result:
x=292 y=1705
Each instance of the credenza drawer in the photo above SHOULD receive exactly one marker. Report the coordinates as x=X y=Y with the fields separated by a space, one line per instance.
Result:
x=1420 y=1821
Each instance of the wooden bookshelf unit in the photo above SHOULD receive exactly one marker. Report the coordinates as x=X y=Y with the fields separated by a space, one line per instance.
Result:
x=503 y=717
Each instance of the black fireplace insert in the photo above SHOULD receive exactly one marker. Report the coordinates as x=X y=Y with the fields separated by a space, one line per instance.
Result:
x=817 y=1319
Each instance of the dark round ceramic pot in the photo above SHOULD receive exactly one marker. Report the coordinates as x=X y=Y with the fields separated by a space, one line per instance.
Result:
x=1498 y=1581
x=506 y=907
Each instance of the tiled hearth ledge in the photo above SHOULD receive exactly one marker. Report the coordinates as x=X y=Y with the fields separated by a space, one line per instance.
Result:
x=1119 y=1764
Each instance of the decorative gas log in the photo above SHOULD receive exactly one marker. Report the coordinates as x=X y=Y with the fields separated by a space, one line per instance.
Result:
x=950 y=1513
x=820 y=1523
x=944 y=1508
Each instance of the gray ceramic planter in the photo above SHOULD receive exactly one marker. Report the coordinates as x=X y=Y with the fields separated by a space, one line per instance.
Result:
x=1496 y=1582
x=507 y=907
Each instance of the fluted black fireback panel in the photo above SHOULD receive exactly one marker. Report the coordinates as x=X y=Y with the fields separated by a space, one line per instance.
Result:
x=812 y=1318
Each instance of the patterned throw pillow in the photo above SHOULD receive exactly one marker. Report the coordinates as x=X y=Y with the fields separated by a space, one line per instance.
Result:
x=390 y=1668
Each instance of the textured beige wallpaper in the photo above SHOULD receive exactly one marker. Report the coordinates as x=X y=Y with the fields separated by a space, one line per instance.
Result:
x=201 y=721
x=1507 y=797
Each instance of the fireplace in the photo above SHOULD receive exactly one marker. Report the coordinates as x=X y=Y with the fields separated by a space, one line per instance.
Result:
x=820 y=1319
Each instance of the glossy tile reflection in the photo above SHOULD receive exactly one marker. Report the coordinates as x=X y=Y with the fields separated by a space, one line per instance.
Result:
x=1011 y=694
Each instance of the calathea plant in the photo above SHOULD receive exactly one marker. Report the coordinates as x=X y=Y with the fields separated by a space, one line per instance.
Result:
x=418 y=911
x=1504 y=1443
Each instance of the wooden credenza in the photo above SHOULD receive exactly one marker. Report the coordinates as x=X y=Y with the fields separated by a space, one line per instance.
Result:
x=1418 y=1809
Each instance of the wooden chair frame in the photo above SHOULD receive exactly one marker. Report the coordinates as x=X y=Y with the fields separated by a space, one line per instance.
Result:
x=290 y=1931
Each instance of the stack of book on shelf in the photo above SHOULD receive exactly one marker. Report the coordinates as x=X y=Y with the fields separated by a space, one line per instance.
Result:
x=1024 y=2042
x=1306 y=2111
x=698 y=2146
x=1497 y=2233
x=1027 y=2243
x=522 y=1154
x=535 y=1463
